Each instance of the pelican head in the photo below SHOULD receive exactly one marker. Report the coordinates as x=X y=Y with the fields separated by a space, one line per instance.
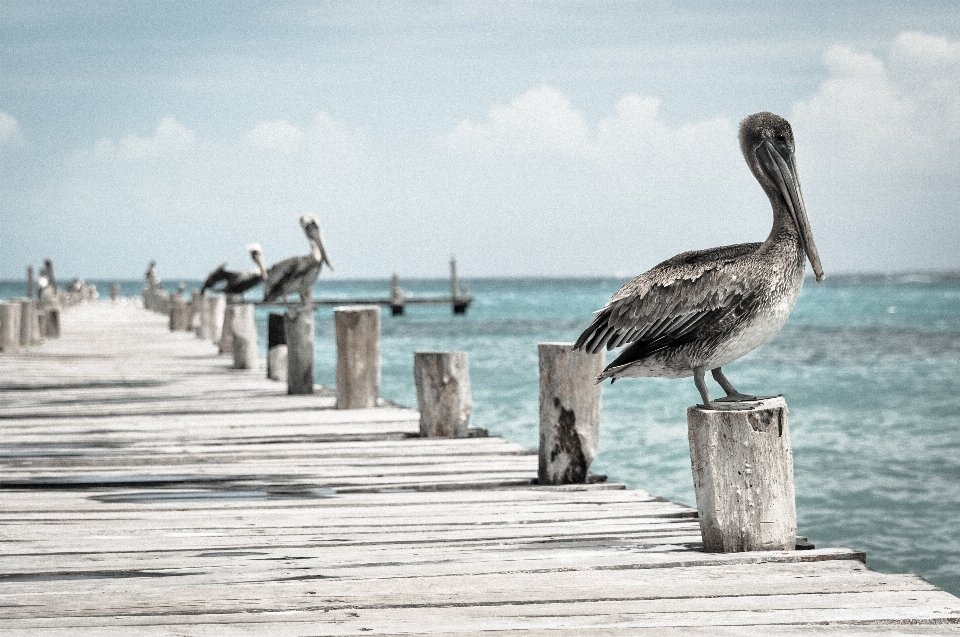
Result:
x=767 y=144
x=311 y=227
x=256 y=253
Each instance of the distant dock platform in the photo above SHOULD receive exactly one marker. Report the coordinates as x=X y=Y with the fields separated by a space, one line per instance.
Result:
x=148 y=488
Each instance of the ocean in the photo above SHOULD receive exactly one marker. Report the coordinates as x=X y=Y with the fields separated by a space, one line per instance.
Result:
x=869 y=366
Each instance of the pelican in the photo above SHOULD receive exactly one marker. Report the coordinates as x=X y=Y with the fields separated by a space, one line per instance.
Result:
x=298 y=274
x=238 y=282
x=705 y=308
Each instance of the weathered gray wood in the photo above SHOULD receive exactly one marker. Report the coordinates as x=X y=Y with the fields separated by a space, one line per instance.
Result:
x=52 y=324
x=205 y=325
x=179 y=314
x=244 y=328
x=31 y=287
x=28 y=321
x=743 y=477
x=358 y=356
x=216 y=306
x=114 y=291
x=276 y=346
x=569 y=412
x=443 y=393
x=226 y=332
x=196 y=303
x=299 y=330
x=10 y=326
x=278 y=364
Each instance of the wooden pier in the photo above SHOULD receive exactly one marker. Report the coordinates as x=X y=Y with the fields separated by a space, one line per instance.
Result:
x=148 y=488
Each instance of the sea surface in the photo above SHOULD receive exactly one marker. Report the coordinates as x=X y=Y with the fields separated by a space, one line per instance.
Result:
x=870 y=368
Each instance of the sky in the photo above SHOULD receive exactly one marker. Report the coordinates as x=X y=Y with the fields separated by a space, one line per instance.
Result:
x=553 y=138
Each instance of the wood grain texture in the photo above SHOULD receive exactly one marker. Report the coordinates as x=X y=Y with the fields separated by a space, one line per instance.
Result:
x=358 y=356
x=743 y=477
x=147 y=487
x=443 y=393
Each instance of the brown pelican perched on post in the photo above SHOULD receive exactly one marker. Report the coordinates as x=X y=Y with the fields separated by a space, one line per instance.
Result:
x=703 y=309
x=237 y=282
x=298 y=274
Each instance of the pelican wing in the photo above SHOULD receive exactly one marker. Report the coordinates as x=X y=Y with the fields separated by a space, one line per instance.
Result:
x=295 y=274
x=220 y=274
x=673 y=303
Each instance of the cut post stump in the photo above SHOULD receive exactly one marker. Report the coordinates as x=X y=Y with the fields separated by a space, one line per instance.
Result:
x=569 y=413
x=298 y=336
x=743 y=477
x=443 y=393
x=244 y=329
x=358 y=356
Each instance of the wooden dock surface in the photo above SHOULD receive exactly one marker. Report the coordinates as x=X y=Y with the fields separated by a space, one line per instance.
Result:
x=146 y=488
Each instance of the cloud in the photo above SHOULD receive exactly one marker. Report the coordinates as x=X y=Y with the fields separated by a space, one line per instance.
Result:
x=170 y=138
x=277 y=135
x=9 y=129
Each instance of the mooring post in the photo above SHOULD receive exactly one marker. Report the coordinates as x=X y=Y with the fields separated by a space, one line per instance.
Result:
x=28 y=318
x=298 y=333
x=203 y=325
x=114 y=291
x=226 y=332
x=443 y=393
x=51 y=322
x=179 y=314
x=30 y=284
x=358 y=356
x=397 y=301
x=216 y=306
x=9 y=326
x=244 y=329
x=195 y=302
x=743 y=477
x=569 y=412
x=276 y=338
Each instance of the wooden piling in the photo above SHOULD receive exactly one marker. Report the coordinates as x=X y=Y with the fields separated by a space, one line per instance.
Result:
x=226 y=332
x=179 y=314
x=569 y=412
x=9 y=326
x=51 y=322
x=244 y=329
x=358 y=356
x=276 y=338
x=30 y=283
x=298 y=335
x=195 y=304
x=203 y=330
x=114 y=291
x=743 y=477
x=216 y=306
x=28 y=319
x=443 y=393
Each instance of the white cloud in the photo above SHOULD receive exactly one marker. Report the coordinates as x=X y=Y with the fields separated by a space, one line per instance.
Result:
x=9 y=129
x=277 y=135
x=170 y=138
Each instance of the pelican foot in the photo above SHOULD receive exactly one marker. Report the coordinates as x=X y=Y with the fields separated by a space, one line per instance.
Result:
x=741 y=398
x=737 y=402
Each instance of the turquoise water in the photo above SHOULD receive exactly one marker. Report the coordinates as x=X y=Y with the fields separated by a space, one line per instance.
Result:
x=870 y=367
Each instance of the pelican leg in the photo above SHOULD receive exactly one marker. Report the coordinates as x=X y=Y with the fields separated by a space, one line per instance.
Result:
x=733 y=396
x=701 y=384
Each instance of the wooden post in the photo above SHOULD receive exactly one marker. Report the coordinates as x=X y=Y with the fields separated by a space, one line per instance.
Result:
x=397 y=301
x=743 y=477
x=52 y=324
x=277 y=360
x=226 y=333
x=298 y=335
x=37 y=332
x=28 y=318
x=9 y=326
x=443 y=393
x=569 y=412
x=30 y=284
x=203 y=325
x=244 y=336
x=195 y=303
x=358 y=356
x=216 y=305
x=179 y=314
x=114 y=291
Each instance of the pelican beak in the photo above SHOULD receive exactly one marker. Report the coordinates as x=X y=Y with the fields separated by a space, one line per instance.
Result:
x=313 y=232
x=258 y=258
x=781 y=167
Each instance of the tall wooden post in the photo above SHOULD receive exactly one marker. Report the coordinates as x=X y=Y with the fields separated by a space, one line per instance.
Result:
x=114 y=291
x=195 y=303
x=9 y=326
x=358 y=356
x=216 y=306
x=28 y=318
x=51 y=322
x=743 y=477
x=443 y=393
x=298 y=334
x=276 y=346
x=569 y=412
x=203 y=326
x=30 y=284
x=226 y=333
x=244 y=336
x=179 y=314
